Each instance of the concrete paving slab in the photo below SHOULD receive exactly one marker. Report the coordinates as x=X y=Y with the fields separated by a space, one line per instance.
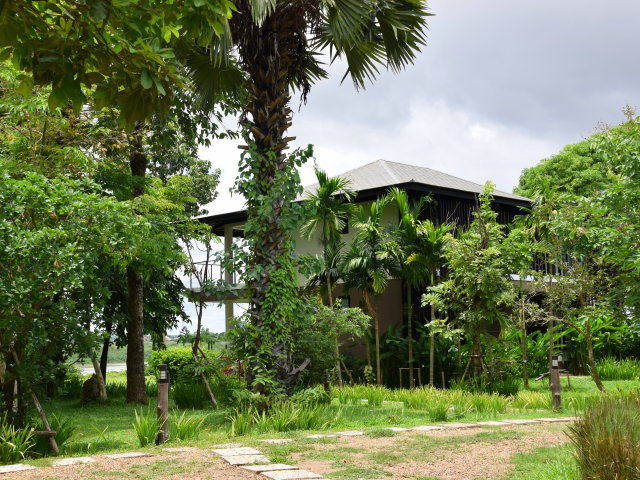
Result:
x=276 y=440
x=398 y=429
x=120 y=456
x=16 y=467
x=179 y=449
x=291 y=475
x=320 y=435
x=521 y=421
x=554 y=419
x=351 y=433
x=245 y=459
x=230 y=452
x=492 y=423
x=63 y=462
x=458 y=425
x=427 y=428
x=270 y=467
x=227 y=445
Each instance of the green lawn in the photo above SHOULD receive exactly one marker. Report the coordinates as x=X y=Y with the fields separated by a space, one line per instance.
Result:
x=109 y=427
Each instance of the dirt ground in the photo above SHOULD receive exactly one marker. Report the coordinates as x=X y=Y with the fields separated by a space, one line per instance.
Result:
x=195 y=465
x=442 y=454
x=460 y=454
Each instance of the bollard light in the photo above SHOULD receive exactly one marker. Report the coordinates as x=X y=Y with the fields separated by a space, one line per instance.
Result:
x=164 y=373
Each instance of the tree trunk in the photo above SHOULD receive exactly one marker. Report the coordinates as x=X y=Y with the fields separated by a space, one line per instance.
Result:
x=591 y=357
x=432 y=348
x=477 y=355
x=376 y=327
x=410 y=336
x=268 y=52
x=102 y=387
x=525 y=358
x=104 y=356
x=330 y=298
x=136 y=390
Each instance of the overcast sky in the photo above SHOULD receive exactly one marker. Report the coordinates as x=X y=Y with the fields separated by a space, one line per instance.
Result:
x=501 y=85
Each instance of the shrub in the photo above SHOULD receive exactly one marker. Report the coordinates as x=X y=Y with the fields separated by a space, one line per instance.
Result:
x=190 y=395
x=529 y=400
x=15 y=443
x=311 y=396
x=116 y=390
x=147 y=427
x=226 y=387
x=186 y=428
x=72 y=385
x=65 y=429
x=613 y=369
x=607 y=439
x=375 y=395
x=182 y=366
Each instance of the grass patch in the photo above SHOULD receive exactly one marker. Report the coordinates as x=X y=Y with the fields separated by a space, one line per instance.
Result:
x=546 y=463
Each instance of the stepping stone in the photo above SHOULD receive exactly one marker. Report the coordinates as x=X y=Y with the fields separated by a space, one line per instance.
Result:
x=553 y=420
x=271 y=467
x=227 y=445
x=120 y=456
x=320 y=435
x=291 y=475
x=179 y=449
x=398 y=429
x=427 y=428
x=73 y=461
x=17 y=467
x=492 y=423
x=458 y=425
x=230 y=452
x=245 y=459
x=350 y=433
x=276 y=440
x=521 y=421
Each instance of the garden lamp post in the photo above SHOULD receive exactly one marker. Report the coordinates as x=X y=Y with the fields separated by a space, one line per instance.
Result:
x=163 y=404
x=554 y=379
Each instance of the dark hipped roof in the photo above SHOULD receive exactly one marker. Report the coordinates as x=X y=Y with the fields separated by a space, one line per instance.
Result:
x=382 y=174
x=376 y=177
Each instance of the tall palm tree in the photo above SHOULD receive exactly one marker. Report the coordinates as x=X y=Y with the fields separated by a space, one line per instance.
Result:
x=271 y=48
x=331 y=208
x=420 y=254
x=369 y=263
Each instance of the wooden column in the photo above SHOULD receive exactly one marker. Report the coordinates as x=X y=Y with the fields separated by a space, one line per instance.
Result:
x=554 y=380
x=163 y=404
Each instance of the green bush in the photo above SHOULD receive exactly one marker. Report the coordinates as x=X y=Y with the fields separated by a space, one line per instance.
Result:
x=226 y=387
x=607 y=439
x=613 y=369
x=147 y=427
x=311 y=396
x=65 y=429
x=72 y=385
x=15 y=443
x=182 y=365
x=190 y=395
x=186 y=427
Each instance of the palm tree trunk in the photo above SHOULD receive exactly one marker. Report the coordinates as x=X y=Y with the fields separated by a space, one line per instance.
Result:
x=432 y=348
x=410 y=335
x=374 y=315
x=525 y=358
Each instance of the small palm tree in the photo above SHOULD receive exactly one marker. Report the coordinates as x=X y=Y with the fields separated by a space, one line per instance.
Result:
x=420 y=254
x=331 y=208
x=369 y=263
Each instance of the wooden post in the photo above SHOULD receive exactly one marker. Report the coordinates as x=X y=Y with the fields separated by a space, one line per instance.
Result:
x=554 y=380
x=163 y=404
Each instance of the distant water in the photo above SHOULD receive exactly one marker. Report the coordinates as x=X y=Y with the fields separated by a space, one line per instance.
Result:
x=111 y=367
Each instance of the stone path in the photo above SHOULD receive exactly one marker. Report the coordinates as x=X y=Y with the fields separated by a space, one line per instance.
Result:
x=253 y=460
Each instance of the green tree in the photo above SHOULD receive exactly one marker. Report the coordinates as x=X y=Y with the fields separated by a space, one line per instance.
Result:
x=369 y=263
x=274 y=49
x=478 y=287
